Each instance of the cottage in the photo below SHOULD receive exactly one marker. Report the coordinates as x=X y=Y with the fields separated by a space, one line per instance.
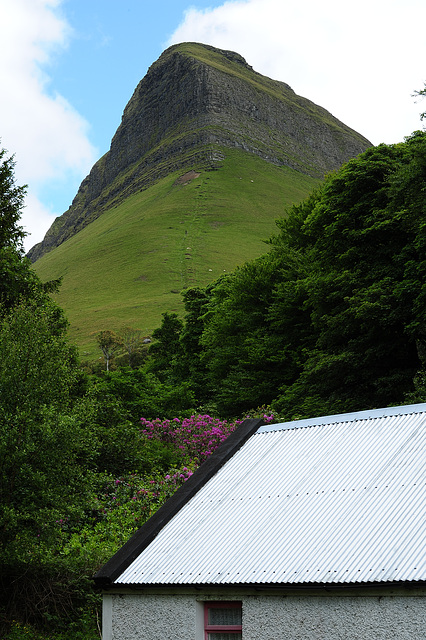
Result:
x=305 y=530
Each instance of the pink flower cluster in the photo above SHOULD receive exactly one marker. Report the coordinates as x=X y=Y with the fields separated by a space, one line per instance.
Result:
x=196 y=437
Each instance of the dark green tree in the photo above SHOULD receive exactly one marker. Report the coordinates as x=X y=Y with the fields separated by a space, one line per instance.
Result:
x=359 y=234
x=166 y=348
x=11 y=204
x=240 y=348
x=17 y=278
x=190 y=365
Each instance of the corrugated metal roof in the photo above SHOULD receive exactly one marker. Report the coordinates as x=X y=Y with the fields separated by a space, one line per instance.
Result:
x=330 y=500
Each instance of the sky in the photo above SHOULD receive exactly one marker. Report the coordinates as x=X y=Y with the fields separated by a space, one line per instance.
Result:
x=69 y=67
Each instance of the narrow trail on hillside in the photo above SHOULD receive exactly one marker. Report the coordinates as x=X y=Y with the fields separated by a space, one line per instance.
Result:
x=190 y=244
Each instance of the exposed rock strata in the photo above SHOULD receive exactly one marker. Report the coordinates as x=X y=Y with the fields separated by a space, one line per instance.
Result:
x=194 y=101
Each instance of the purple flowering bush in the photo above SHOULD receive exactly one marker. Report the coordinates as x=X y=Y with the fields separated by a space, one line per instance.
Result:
x=195 y=437
x=133 y=498
x=124 y=503
x=117 y=505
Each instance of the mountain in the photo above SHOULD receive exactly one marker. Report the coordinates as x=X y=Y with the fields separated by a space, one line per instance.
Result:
x=208 y=154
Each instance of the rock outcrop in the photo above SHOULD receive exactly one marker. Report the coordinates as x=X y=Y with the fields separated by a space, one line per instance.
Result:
x=194 y=102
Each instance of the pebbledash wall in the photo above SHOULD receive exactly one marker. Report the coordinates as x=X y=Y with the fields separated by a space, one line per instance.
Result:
x=339 y=614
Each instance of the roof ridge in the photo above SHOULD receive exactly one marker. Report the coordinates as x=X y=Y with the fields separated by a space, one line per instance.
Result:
x=366 y=414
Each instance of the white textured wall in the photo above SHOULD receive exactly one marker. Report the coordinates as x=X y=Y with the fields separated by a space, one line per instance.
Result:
x=149 y=617
x=178 y=617
x=334 y=618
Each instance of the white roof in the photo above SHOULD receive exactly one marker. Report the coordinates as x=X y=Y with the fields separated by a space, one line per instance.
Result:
x=339 y=499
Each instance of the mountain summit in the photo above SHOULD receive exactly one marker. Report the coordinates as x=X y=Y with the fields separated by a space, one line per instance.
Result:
x=194 y=102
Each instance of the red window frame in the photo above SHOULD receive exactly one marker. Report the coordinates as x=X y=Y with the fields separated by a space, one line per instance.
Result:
x=221 y=628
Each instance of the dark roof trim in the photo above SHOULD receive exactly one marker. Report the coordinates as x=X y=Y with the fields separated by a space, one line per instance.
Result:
x=272 y=586
x=146 y=534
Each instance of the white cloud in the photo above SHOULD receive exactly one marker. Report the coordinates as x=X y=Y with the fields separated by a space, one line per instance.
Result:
x=38 y=221
x=47 y=136
x=362 y=61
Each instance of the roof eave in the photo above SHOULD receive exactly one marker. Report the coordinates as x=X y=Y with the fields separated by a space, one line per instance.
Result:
x=287 y=586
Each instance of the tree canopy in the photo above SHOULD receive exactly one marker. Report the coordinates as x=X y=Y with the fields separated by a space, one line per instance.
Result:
x=17 y=279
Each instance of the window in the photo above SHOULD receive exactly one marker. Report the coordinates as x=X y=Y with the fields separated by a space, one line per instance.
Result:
x=222 y=620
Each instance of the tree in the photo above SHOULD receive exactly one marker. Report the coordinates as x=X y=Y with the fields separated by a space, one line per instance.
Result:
x=37 y=365
x=39 y=373
x=421 y=94
x=47 y=444
x=47 y=450
x=240 y=349
x=132 y=341
x=11 y=204
x=17 y=279
x=166 y=348
x=190 y=367
x=110 y=344
x=362 y=235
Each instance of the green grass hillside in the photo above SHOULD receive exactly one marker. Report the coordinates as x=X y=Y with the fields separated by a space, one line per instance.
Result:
x=129 y=266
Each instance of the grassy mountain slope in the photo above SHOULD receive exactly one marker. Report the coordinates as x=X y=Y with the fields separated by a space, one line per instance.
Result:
x=129 y=266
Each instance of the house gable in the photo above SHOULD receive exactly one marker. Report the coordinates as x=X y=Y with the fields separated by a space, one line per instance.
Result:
x=338 y=500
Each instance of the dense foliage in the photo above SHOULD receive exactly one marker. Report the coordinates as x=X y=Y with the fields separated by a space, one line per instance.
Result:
x=17 y=279
x=332 y=317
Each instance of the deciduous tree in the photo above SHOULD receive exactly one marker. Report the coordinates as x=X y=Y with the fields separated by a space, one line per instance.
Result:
x=132 y=341
x=110 y=344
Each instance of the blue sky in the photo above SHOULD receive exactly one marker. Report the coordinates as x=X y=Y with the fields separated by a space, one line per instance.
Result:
x=68 y=68
x=112 y=46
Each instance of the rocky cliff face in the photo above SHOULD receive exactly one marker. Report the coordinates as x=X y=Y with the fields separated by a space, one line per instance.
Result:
x=195 y=102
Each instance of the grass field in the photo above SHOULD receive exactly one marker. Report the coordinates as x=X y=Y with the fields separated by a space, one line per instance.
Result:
x=129 y=266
